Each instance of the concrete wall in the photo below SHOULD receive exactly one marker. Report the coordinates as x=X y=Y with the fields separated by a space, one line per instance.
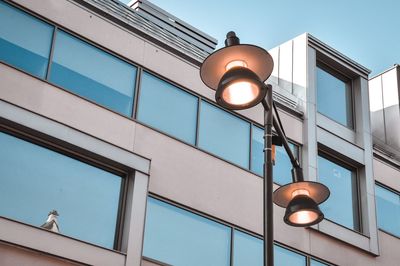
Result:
x=190 y=176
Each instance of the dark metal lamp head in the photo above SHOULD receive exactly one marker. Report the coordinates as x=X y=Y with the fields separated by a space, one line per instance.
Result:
x=237 y=72
x=302 y=211
x=301 y=200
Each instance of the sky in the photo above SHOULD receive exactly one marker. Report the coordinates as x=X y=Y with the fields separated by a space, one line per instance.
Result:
x=367 y=31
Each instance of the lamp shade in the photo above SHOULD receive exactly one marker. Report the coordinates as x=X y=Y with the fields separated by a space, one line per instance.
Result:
x=258 y=60
x=316 y=191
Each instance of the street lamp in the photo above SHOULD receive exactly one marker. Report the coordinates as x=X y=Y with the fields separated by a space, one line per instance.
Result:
x=237 y=72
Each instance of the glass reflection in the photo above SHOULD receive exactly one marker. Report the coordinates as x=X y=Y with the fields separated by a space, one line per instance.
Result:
x=92 y=73
x=341 y=206
x=388 y=210
x=181 y=238
x=167 y=108
x=35 y=180
x=24 y=40
x=224 y=134
x=334 y=98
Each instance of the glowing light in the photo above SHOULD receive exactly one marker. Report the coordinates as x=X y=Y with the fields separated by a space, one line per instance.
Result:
x=240 y=92
x=303 y=217
x=300 y=192
x=235 y=63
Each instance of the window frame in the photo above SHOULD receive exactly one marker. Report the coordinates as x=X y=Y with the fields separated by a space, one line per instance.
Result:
x=104 y=154
x=356 y=193
x=349 y=84
x=377 y=183
x=52 y=146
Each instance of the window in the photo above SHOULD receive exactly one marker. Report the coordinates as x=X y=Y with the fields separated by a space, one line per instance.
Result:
x=317 y=263
x=285 y=257
x=181 y=238
x=282 y=167
x=24 y=40
x=342 y=204
x=168 y=108
x=334 y=96
x=388 y=210
x=35 y=180
x=178 y=237
x=92 y=73
x=224 y=134
x=247 y=250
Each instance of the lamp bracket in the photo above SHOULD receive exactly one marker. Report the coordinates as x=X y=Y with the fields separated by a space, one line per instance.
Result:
x=277 y=141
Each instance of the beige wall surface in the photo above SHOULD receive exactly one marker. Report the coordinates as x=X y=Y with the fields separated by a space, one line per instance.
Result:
x=12 y=256
x=180 y=172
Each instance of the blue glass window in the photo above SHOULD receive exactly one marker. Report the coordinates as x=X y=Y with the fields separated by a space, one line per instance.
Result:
x=181 y=238
x=342 y=204
x=92 y=73
x=247 y=250
x=224 y=134
x=24 y=40
x=285 y=257
x=334 y=97
x=282 y=167
x=35 y=180
x=388 y=210
x=167 y=108
x=317 y=263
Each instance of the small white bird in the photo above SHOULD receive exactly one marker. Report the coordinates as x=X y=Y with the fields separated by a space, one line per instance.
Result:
x=52 y=223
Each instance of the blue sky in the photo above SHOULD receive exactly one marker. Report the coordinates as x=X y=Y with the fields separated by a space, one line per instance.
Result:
x=367 y=31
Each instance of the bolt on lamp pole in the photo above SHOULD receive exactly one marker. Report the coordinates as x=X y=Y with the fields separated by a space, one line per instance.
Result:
x=237 y=72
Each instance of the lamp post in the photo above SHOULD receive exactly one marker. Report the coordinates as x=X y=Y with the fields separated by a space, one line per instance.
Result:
x=237 y=73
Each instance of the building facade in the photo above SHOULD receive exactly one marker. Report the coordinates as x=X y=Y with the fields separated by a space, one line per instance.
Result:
x=104 y=119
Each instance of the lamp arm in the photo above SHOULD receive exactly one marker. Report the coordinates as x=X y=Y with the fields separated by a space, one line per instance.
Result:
x=296 y=171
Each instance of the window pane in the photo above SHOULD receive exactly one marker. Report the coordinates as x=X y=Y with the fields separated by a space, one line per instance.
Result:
x=285 y=257
x=181 y=238
x=224 y=134
x=24 y=40
x=340 y=206
x=282 y=167
x=35 y=180
x=247 y=250
x=168 y=108
x=317 y=263
x=334 y=98
x=92 y=73
x=388 y=210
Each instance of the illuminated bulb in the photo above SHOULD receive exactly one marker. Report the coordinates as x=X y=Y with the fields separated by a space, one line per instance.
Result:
x=235 y=63
x=303 y=217
x=240 y=92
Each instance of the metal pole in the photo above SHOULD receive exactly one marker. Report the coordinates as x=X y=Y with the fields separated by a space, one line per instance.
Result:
x=268 y=182
x=297 y=171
